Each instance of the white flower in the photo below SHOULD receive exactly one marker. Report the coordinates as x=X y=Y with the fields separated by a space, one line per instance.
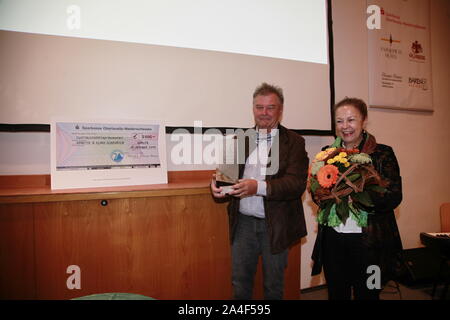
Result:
x=315 y=167
x=361 y=158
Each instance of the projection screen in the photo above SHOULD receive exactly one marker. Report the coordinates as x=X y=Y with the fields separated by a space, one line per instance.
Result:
x=171 y=60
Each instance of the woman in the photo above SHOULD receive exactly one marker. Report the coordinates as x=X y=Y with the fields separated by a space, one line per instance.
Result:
x=346 y=251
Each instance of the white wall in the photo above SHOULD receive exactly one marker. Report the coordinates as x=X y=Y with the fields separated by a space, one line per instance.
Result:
x=421 y=140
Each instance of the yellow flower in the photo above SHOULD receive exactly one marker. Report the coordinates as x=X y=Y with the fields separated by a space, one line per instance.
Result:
x=347 y=164
x=342 y=154
x=343 y=160
x=321 y=155
x=331 y=161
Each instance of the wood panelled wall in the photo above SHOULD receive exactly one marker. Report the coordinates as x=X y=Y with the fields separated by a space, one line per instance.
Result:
x=165 y=247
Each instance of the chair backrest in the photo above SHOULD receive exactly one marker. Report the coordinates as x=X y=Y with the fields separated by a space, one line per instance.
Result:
x=445 y=217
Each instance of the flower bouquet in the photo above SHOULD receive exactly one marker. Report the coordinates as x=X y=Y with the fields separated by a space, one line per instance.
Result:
x=339 y=180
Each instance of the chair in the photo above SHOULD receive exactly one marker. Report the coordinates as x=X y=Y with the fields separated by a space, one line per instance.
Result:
x=445 y=217
x=444 y=269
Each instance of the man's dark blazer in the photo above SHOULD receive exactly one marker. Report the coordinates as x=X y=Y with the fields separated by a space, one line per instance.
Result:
x=283 y=204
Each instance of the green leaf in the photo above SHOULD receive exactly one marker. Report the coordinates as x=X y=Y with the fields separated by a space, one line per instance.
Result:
x=320 y=218
x=314 y=184
x=324 y=213
x=333 y=219
x=353 y=177
x=358 y=215
x=341 y=168
x=342 y=209
x=363 y=215
x=358 y=207
x=361 y=218
x=337 y=143
x=363 y=198
x=327 y=210
x=376 y=188
x=352 y=208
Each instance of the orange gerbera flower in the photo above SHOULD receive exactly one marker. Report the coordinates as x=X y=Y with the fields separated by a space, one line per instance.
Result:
x=327 y=175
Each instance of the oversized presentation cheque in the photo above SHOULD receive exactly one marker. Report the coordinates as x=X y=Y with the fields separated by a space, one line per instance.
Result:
x=82 y=146
x=97 y=154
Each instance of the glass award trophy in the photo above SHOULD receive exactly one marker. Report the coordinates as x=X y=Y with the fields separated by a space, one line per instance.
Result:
x=227 y=173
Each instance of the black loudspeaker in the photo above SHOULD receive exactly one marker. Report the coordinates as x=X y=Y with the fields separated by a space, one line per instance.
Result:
x=421 y=265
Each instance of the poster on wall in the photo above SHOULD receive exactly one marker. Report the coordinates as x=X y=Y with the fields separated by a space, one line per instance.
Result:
x=400 y=56
x=87 y=154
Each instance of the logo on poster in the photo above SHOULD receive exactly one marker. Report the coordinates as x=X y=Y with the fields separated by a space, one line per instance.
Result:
x=420 y=83
x=416 y=50
x=390 y=52
x=374 y=20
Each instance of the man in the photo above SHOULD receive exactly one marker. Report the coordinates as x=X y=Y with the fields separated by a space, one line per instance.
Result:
x=265 y=211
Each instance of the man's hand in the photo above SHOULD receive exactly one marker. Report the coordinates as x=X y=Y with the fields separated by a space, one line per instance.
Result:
x=216 y=192
x=244 y=188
